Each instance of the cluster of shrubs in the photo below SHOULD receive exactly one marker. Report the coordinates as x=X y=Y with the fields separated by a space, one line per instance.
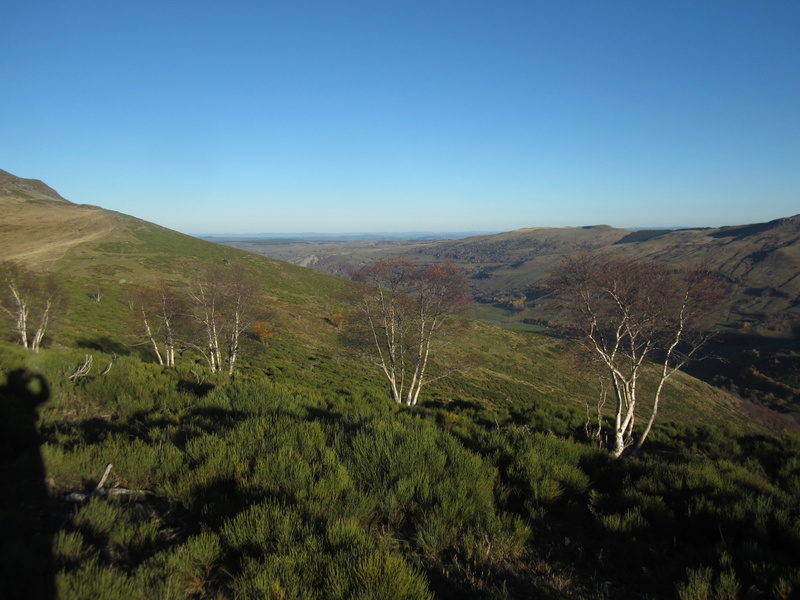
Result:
x=258 y=489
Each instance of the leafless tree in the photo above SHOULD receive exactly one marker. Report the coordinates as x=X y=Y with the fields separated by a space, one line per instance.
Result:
x=207 y=296
x=239 y=295
x=633 y=313
x=223 y=300
x=31 y=301
x=405 y=308
x=162 y=312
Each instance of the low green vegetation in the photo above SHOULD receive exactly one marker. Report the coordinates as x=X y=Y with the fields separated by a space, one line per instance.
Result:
x=298 y=477
x=281 y=485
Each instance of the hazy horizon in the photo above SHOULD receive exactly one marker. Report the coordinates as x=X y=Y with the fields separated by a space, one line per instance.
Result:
x=278 y=234
x=465 y=233
x=408 y=117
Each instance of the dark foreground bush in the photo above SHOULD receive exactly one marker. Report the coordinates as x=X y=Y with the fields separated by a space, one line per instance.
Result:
x=263 y=490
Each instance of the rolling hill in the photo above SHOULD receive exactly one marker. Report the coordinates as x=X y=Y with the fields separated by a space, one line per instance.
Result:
x=60 y=224
x=759 y=323
x=298 y=478
x=96 y=251
x=761 y=261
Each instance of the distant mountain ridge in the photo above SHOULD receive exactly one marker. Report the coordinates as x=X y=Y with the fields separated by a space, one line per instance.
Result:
x=409 y=236
x=761 y=260
x=743 y=231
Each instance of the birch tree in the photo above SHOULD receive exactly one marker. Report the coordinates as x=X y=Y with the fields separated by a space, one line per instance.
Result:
x=31 y=301
x=223 y=299
x=635 y=317
x=162 y=312
x=207 y=295
x=140 y=302
x=239 y=295
x=405 y=309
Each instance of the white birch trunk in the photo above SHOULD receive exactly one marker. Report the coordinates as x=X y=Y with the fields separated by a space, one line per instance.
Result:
x=38 y=336
x=169 y=343
x=22 y=315
x=149 y=333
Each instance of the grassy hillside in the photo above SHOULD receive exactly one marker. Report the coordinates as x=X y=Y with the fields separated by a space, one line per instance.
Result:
x=759 y=323
x=761 y=261
x=126 y=251
x=31 y=189
x=299 y=478
x=39 y=226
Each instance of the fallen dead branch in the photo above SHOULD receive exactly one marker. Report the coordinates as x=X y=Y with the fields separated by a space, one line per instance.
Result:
x=82 y=370
x=100 y=490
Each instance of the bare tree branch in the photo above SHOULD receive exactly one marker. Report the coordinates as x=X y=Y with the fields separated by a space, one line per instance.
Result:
x=629 y=314
x=31 y=301
x=404 y=309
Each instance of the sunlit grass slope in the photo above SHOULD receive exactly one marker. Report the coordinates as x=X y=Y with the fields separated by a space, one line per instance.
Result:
x=501 y=367
x=299 y=478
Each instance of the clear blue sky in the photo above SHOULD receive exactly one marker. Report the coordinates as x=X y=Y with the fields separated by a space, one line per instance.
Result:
x=255 y=116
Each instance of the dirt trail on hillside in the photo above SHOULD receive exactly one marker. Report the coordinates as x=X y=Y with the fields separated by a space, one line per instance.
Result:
x=58 y=228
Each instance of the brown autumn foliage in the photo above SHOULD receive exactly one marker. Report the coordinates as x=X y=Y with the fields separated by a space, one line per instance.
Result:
x=263 y=331
x=339 y=320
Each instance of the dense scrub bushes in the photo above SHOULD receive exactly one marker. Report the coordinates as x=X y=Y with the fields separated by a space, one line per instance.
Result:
x=258 y=489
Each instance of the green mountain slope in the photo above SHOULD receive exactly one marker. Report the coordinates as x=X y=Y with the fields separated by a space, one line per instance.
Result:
x=112 y=252
x=298 y=478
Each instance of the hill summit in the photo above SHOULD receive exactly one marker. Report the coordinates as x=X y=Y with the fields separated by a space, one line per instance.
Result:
x=11 y=185
x=39 y=225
